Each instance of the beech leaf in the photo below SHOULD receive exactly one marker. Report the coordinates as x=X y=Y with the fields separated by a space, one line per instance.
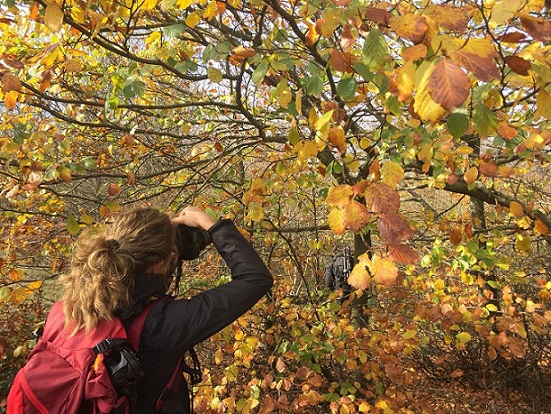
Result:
x=383 y=270
x=356 y=216
x=382 y=198
x=392 y=228
x=359 y=277
x=448 y=85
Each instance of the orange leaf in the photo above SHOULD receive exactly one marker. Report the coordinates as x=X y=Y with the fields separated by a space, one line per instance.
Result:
x=484 y=68
x=403 y=253
x=541 y=228
x=340 y=62
x=449 y=17
x=384 y=270
x=516 y=209
x=243 y=52
x=410 y=26
x=414 y=53
x=382 y=198
x=448 y=85
x=392 y=228
x=359 y=277
x=506 y=131
x=356 y=216
x=489 y=169
x=10 y=99
x=337 y=138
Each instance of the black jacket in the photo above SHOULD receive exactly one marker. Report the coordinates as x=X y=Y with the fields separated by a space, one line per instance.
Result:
x=173 y=327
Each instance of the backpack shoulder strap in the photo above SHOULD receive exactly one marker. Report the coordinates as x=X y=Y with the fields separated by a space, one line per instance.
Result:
x=134 y=332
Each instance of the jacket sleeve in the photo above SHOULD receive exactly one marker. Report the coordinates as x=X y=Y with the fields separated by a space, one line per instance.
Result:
x=180 y=324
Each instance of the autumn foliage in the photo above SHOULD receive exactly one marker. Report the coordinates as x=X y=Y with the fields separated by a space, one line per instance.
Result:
x=416 y=132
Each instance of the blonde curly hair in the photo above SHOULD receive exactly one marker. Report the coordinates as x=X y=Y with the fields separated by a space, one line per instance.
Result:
x=103 y=265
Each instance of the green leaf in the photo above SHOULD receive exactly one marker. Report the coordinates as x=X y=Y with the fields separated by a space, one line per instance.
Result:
x=347 y=88
x=134 y=89
x=484 y=120
x=375 y=50
x=457 y=124
x=463 y=337
x=259 y=73
x=174 y=30
x=72 y=225
x=294 y=137
x=362 y=70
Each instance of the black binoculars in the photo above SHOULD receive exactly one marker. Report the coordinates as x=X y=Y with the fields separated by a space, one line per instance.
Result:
x=191 y=241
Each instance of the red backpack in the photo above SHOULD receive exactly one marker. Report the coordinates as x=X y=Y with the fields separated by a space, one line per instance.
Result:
x=93 y=373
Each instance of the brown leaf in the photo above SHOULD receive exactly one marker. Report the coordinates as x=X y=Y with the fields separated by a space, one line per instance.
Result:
x=484 y=68
x=379 y=16
x=280 y=365
x=518 y=65
x=13 y=63
x=339 y=62
x=10 y=83
x=113 y=190
x=512 y=37
x=539 y=29
x=403 y=253
x=382 y=198
x=456 y=236
x=448 y=85
x=392 y=228
x=243 y=52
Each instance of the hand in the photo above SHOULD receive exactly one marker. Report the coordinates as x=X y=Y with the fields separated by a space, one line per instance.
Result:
x=194 y=217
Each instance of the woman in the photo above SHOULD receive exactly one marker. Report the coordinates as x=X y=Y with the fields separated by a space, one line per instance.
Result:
x=129 y=265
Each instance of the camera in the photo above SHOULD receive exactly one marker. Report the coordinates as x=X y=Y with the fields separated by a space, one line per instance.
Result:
x=191 y=241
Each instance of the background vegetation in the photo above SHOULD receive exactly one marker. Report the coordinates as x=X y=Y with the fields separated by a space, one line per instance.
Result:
x=416 y=132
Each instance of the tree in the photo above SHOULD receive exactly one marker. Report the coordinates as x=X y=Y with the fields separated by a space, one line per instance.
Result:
x=399 y=117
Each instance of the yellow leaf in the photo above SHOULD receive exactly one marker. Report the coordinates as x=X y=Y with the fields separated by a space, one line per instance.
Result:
x=215 y=75
x=53 y=18
x=359 y=277
x=153 y=37
x=255 y=212
x=340 y=195
x=516 y=209
x=423 y=104
x=523 y=243
x=392 y=173
x=335 y=219
x=324 y=120
x=305 y=149
x=148 y=4
x=211 y=10
x=337 y=138
x=543 y=103
x=471 y=175
x=192 y=20
x=283 y=94
x=183 y=4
